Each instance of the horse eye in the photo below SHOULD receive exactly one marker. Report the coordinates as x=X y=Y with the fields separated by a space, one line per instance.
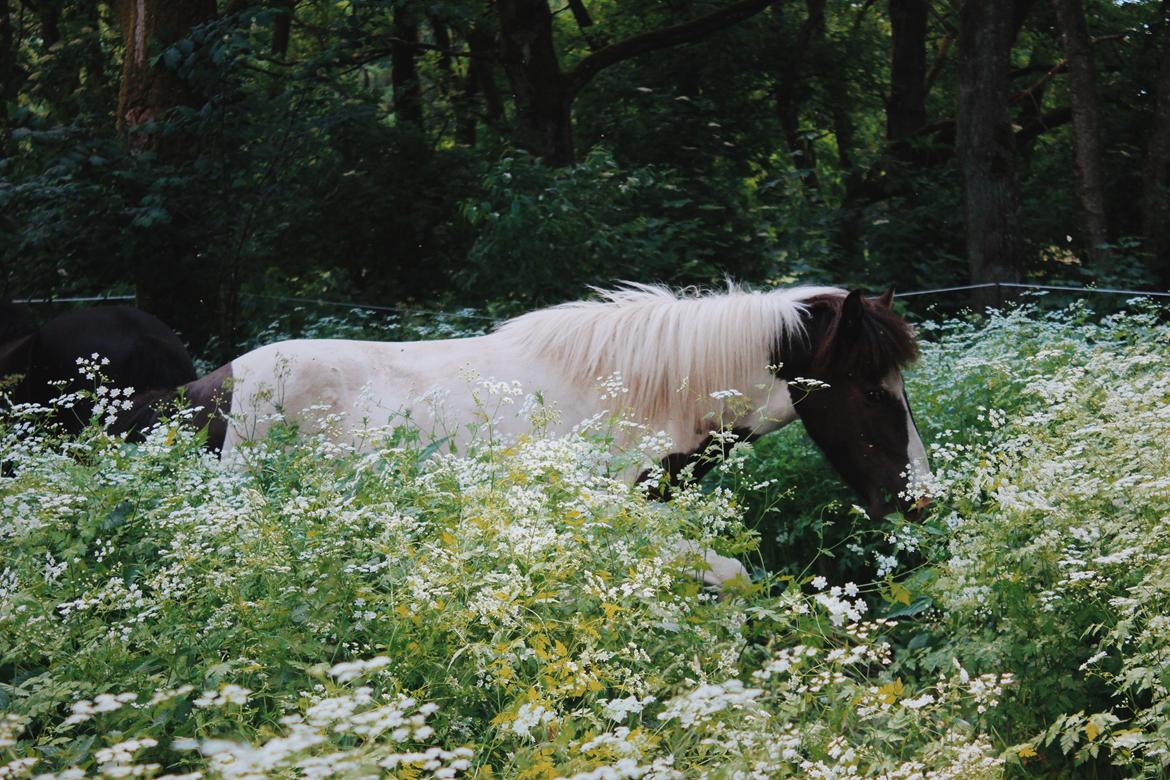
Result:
x=874 y=396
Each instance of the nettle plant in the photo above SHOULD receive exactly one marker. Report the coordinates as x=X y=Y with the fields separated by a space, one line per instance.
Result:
x=515 y=609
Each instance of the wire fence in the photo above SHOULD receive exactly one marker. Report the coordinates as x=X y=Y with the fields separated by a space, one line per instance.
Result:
x=1000 y=287
x=1046 y=287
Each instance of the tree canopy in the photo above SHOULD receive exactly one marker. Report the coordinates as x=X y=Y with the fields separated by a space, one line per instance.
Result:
x=468 y=152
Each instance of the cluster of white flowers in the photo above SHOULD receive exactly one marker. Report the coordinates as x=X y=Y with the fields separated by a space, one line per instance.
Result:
x=697 y=705
x=11 y=725
x=85 y=709
x=841 y=609
x=612 y=387
x=229 y=694
x=118 y=760
x=307 y=746
x=107 y=404
x=808 y=384
x=528 y=717
x=619 y=710
x=347 y=671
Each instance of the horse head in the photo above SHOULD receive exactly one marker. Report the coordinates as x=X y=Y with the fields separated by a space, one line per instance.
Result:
x=861 y=420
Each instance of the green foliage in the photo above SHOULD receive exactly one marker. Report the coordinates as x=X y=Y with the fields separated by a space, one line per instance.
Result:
x=300 y=177
x=546 y=233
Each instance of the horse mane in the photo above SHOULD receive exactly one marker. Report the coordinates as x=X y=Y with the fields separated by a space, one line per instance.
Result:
x=882 y=341
x=673 y=349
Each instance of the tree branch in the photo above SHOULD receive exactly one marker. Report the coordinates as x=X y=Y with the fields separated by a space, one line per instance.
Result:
x=1061 y=67
x=675 y=35
x=944 y=48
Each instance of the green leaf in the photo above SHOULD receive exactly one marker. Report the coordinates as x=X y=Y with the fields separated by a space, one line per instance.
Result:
x=432 y=448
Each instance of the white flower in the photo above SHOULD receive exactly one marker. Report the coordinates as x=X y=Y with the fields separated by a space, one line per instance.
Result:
x=227 y=694
x=351 y=670
x=619 y=709
x=528 y=717
x=919 y=703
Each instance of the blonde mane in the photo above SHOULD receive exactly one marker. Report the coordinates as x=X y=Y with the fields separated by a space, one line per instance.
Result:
x=673 y=349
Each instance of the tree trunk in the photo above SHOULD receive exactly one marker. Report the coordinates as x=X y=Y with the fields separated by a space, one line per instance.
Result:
x=49 y=16
x=404 y=70
x=8 y=81
x=790 y=96
x=172 y=280
x=906 y=109
x=442 y=38
x=1156 y=169
x=543 y=99
x=282 y=28
x=544 y=94
x=147 y=92
x=481 y=42
x=1086 y=122
x=986 y=146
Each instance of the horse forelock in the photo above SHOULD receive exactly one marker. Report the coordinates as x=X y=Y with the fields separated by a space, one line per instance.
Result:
x=881 y=342
x=672 y=348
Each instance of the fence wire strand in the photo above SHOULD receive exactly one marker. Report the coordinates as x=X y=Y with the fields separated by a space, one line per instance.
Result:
x=485 y=318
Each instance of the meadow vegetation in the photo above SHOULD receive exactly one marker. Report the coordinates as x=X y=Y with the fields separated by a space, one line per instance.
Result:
x=517 y=610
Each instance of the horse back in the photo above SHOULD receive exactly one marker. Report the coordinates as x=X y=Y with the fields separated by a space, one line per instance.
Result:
x=143 y=352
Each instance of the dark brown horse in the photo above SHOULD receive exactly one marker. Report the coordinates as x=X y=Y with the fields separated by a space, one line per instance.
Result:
x=143 y=353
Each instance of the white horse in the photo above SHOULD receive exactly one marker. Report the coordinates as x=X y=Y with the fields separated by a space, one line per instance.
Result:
x=683 y=363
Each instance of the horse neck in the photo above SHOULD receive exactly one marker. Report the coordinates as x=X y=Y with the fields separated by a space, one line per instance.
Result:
x=760 y=405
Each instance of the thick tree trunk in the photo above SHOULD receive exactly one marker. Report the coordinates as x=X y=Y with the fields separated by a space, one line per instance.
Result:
x=480 y=83
x=147 y=92
x=906 y=109
x=986 y=146
x=542 y=95
x=442 y=38
x=1156 y=169
x=404 y=70
x=172 y=281
x=1086 y=121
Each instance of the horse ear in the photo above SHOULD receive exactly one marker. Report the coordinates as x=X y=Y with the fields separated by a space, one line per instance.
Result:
x=852 y=310
x=887 y=298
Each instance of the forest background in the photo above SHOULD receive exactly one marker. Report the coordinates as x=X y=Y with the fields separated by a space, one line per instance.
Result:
x=505 y=154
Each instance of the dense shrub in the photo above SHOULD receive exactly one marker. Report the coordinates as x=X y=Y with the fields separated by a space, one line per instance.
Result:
x=1054 y=564
x=543 y=233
